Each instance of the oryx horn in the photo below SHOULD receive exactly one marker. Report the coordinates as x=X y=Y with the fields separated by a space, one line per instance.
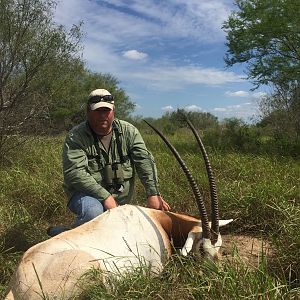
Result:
x=212 y=185
x=192 y=182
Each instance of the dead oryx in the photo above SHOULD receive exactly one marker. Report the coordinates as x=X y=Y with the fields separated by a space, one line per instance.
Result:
x=118 y=241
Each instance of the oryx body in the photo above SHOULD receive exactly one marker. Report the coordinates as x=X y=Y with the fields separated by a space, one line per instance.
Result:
x=117 y=241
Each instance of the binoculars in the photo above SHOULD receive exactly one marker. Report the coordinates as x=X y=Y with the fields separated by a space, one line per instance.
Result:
x=113 y=175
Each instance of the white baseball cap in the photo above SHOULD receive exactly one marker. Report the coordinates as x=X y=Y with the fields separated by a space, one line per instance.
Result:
x=101 y=98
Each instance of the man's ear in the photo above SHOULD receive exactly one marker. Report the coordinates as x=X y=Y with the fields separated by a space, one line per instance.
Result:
x=225 y=222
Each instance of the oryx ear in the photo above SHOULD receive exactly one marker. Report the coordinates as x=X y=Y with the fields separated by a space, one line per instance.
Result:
x=192 y=243
x=225 y=222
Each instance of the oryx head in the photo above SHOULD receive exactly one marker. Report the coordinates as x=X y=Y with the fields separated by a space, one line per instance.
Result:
x=210 y=238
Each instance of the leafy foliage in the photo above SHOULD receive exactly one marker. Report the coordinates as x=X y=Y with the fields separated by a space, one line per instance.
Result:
x=35 y=54
x=69 y=106
x=281 y=113
x=233 y=134
x=43 y=82
x=170 y=122
x=201 y=120
x=265 y=35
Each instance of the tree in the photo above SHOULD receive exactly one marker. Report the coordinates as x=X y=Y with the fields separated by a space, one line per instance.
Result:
x=34 y=52
x=281 y=112
x=201 y=120
x=93 y=80
x=69 y=107
x=264 y=34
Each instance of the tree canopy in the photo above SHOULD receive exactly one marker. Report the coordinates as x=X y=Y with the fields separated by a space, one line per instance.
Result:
x=265 y=34
x=43 y=80
x=69 y=106
x=36 y=59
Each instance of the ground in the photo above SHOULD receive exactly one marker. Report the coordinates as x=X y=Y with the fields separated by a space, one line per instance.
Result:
x=249 y=249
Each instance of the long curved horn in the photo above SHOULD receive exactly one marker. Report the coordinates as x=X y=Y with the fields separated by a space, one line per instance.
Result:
x=212 y=185
x=192 y=182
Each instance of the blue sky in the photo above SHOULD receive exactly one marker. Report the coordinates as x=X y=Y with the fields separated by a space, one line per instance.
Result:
x=166 y=54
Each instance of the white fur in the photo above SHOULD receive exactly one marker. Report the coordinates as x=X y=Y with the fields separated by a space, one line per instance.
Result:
x=194 y=241
x=116 y=242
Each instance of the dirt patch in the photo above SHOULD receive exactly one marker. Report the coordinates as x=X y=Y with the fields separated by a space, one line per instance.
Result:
x=249 y=249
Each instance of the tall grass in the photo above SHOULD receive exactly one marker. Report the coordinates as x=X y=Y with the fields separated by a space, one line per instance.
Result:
x=262 y=194
x=192 y=278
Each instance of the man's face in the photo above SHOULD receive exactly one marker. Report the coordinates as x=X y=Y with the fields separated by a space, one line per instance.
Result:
x=101 y=120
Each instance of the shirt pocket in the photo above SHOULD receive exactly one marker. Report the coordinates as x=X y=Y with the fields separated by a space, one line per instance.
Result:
x=96 y=169
x=127 y=170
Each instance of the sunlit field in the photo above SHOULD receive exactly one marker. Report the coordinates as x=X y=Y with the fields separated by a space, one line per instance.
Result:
x=261 y=194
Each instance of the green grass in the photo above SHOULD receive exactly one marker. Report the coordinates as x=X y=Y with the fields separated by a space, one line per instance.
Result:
x=192 y=278
x=261 y=193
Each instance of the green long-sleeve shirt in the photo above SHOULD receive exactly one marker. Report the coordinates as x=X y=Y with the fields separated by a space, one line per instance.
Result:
x=83 y=168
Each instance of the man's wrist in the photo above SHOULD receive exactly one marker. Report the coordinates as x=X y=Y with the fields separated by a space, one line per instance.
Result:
x=109 y=202
x=153 y=195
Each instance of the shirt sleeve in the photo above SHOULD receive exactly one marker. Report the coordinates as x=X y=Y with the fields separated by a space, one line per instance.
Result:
x=144 y=163
x=75 y=169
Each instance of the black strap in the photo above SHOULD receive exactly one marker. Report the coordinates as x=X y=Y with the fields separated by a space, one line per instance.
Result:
x=96 y=143
x=117 y=132
x=123 y=158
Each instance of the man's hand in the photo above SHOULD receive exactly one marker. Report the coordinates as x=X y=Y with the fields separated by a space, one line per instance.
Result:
x=157 y=202
x=109 y=202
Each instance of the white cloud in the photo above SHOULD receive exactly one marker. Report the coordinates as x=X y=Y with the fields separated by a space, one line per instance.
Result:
x=137 y=106
x=259 y=95
x=256 y=95
x=192 y=108
x=151 y=19
x=244 y=111
x=149 y=23
x=237 y=94
x=166 y=31
x=135 y=55
x=170 y=77
x=198 y=19
x=219 y=109
x=167 y=108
